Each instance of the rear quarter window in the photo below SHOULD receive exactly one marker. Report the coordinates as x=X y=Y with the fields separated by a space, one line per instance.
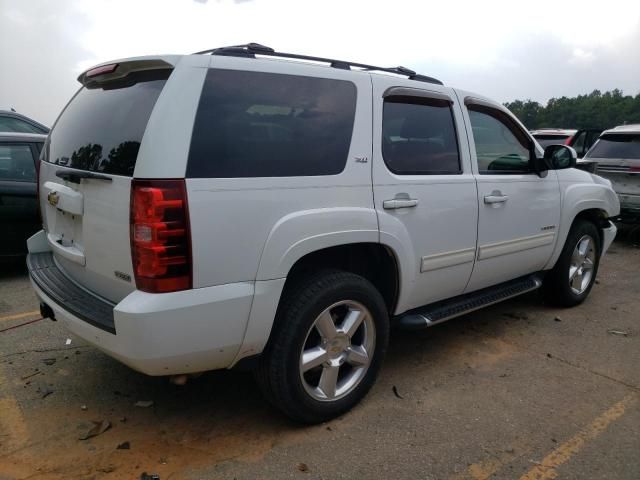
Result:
x=256 y=124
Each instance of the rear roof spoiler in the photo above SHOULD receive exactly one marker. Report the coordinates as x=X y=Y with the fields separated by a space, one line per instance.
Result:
x=96 y=76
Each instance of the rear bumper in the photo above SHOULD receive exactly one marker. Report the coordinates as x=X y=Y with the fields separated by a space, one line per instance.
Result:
x=157 y=334
x=629 y=207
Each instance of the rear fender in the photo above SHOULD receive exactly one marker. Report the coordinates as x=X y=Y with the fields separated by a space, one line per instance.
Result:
x=291 y=238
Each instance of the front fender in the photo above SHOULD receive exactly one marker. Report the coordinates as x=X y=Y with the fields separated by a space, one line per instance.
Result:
x=576 y=198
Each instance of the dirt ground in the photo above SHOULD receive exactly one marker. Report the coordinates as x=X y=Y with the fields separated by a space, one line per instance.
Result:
x=516 y=391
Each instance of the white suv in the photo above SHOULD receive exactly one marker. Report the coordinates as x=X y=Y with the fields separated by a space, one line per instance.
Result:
x=279 y=212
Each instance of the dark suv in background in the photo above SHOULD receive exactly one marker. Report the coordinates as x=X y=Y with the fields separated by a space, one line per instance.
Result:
x=19 y=217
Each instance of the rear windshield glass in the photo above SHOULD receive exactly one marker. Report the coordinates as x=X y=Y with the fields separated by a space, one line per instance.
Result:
x=255 y=124
x=546 y=140
x=617 y=146
x=101 y=128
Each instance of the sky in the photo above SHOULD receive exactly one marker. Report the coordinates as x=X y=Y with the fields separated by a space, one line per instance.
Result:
x=506 y=50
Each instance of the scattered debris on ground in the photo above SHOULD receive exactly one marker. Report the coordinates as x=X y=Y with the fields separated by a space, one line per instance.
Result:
x=516 y=315
x=97 y=429
x=45 y=392
x=37 y=372
x=124 y=446
x=618 y=332
x=303 y=467
x=144 y=403
x=395 y=392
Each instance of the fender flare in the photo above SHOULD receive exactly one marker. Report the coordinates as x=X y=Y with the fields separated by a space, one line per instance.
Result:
x=291 y=238
x=578 y=198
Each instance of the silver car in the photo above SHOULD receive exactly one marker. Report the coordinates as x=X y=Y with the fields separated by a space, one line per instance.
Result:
x=616 y=156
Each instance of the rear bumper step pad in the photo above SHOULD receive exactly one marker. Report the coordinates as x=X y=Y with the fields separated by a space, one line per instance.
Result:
x=65 y=292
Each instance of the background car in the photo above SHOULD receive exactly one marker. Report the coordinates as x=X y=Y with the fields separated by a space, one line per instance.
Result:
x=19 y=216
x=616 y=156
x=580 y=140
x=11 y=121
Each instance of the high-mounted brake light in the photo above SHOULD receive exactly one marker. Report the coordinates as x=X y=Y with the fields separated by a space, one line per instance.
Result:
x=160 y=236
x=94 y=72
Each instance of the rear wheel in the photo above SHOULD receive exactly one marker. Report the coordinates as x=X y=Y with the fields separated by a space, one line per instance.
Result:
x=326 y=348
x=573 y=276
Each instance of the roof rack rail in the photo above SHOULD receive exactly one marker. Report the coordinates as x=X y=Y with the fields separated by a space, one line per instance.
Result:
x=250 y=50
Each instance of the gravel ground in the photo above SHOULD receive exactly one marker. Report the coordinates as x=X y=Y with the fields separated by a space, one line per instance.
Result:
x=518 y=390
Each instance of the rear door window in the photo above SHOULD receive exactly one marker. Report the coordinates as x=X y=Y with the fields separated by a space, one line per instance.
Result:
x=100 y=130
x=256 y=124
x=16 y=163
x=419 y=137
x=617 y=146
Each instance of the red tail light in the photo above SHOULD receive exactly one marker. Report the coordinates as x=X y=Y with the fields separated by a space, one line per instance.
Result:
x=568 y=140
x=160 y=236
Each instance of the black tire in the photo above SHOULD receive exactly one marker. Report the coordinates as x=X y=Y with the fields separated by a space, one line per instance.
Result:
x=279 y=371
x=556 y=288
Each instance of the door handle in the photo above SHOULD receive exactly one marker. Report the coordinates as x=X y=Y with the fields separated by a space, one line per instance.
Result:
x=399 y=203
x=495 y=197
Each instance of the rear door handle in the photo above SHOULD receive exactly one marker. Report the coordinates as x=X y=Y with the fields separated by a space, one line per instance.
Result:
x=495 y=197
x=399 y=203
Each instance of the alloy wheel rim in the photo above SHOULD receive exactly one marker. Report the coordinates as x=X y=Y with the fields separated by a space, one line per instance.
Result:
x=337 y=351
x=583 y=260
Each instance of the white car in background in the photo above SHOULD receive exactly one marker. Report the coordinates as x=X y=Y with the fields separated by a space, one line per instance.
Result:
x=616 y=155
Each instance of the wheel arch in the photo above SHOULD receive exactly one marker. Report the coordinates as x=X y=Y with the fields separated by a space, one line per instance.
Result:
x=376 y=262
x=595 y=214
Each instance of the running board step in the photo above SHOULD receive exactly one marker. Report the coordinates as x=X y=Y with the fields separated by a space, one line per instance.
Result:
x=438 y=312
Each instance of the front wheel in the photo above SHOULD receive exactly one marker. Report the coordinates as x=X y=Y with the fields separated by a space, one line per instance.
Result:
x=574 y=274
x=326 y=348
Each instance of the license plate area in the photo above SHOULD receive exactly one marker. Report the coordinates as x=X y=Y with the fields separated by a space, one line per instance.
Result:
x=64 y=207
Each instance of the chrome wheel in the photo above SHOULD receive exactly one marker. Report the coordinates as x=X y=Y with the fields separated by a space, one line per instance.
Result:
x=583 y=261
x=337 y=350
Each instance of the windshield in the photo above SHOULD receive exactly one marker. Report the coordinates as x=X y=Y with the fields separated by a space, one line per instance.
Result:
x=101 y=128
x=617 y=146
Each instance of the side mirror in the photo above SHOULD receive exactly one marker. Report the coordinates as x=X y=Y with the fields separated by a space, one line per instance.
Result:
x=558 y=157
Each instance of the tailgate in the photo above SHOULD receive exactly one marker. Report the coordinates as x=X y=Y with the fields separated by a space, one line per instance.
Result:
x=85 y=180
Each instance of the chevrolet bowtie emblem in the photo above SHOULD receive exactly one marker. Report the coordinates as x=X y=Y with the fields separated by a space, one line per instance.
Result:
x=53 y=198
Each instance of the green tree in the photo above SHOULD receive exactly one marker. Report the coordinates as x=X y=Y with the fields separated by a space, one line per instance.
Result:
x=593 y=110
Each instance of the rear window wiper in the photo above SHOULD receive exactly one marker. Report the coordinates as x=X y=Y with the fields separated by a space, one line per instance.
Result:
x=75 y=177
